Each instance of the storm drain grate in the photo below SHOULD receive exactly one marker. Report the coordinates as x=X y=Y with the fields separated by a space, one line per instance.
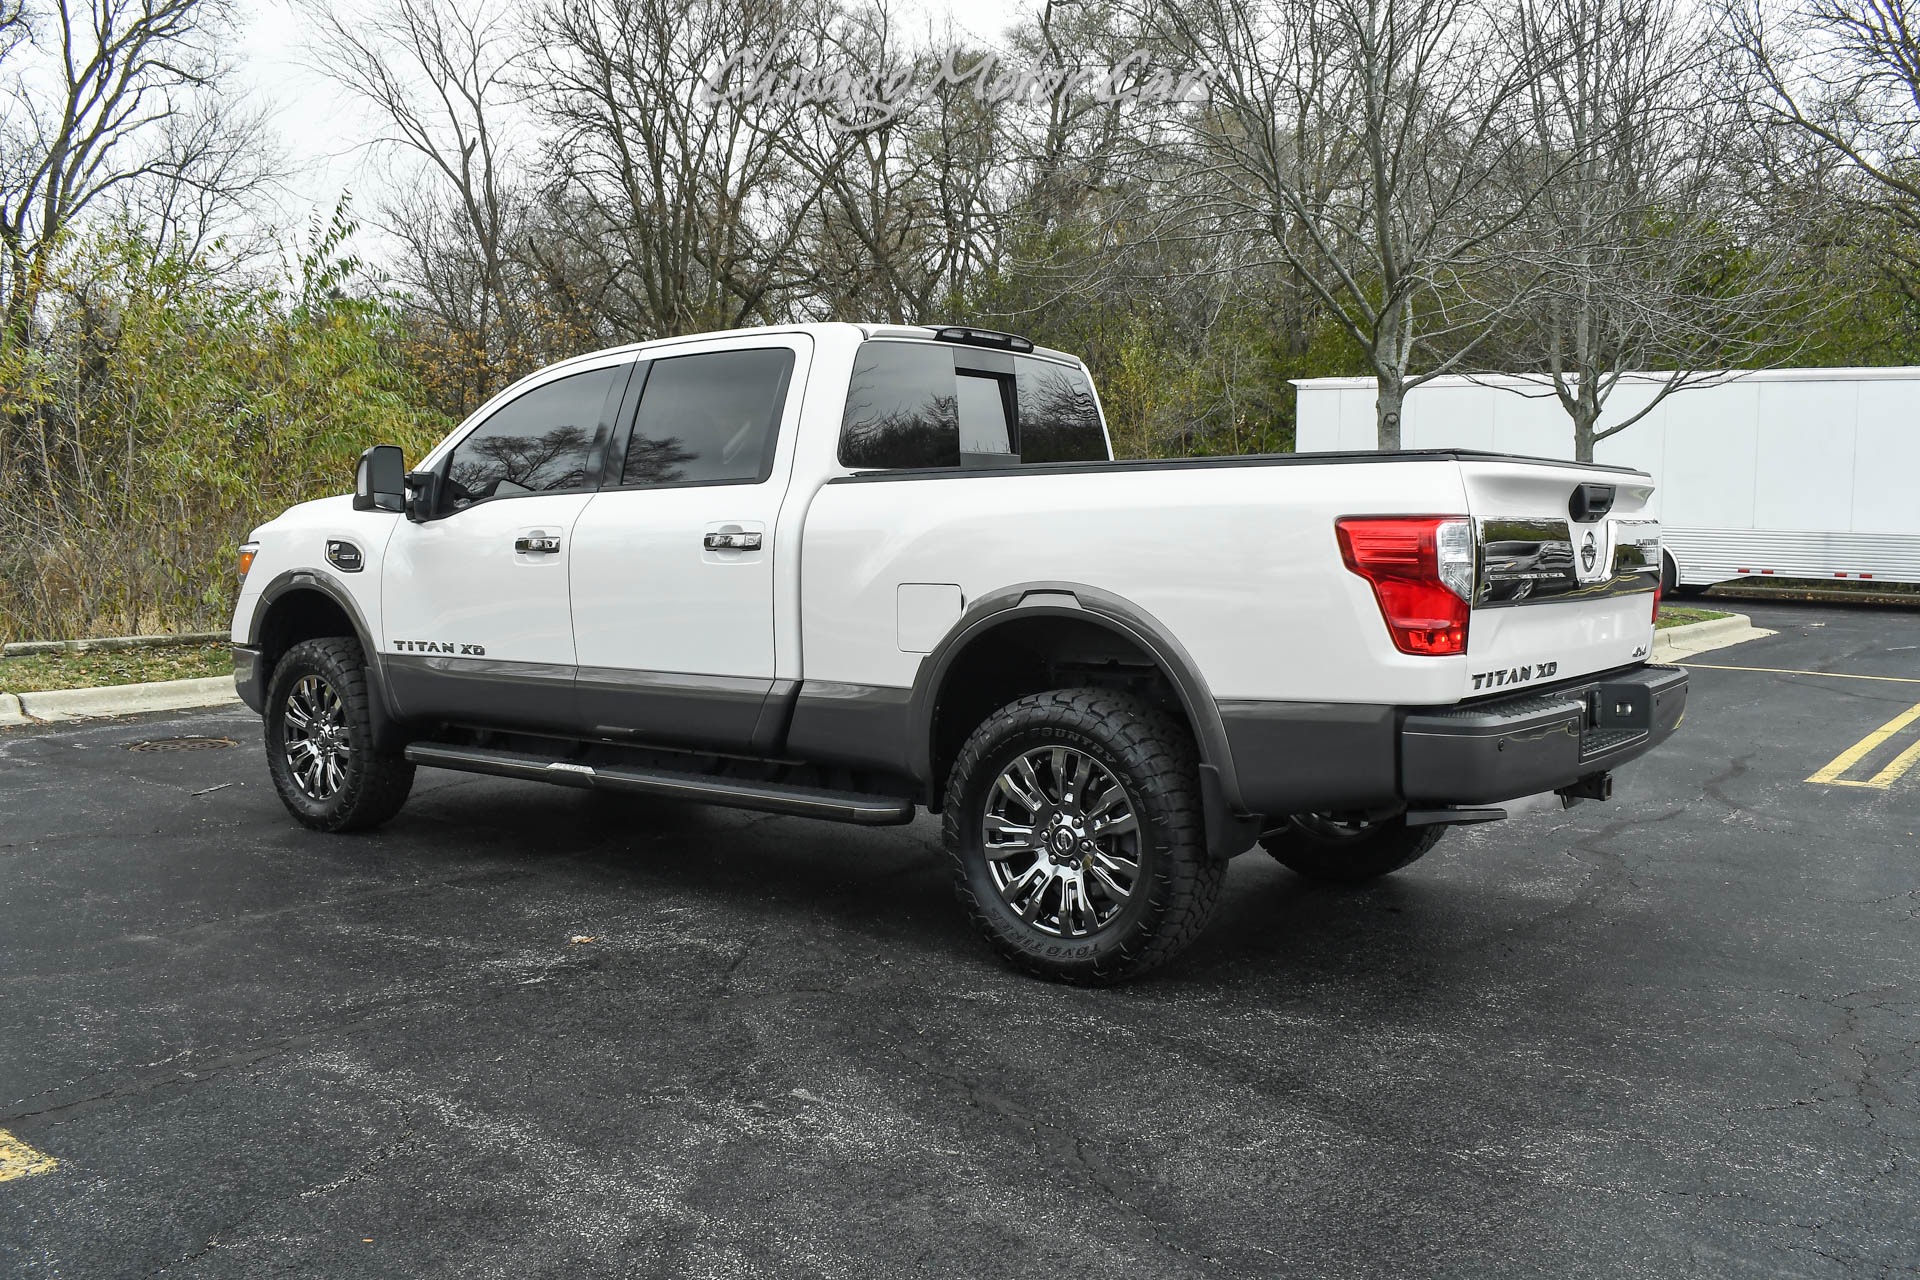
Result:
x=183 y=744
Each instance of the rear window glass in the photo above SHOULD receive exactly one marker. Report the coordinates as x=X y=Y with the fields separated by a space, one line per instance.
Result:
x=907 y=407
x=903 y=409
x=984 y=427
x=1059 y=421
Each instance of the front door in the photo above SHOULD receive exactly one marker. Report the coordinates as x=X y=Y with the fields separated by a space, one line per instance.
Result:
x=674 y=562
x=475 y=601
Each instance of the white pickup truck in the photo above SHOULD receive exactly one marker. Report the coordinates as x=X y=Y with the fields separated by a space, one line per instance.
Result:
x=843 y=571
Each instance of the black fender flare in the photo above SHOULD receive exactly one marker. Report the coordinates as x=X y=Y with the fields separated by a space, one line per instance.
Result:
x=1219 y=784
x=386 y=722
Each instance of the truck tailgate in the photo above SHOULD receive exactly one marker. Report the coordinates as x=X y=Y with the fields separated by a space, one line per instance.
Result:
x=1568 y=566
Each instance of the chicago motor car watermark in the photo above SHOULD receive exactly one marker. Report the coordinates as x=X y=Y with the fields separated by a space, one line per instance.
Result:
x=862 y=98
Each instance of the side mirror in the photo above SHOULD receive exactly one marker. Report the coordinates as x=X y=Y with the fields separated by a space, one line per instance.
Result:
x=424 y=503
x=380 y=484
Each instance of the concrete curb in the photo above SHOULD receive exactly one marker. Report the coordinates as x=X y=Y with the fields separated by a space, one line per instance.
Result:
x=109 y=644
x=1678 y=643
x=117 y=700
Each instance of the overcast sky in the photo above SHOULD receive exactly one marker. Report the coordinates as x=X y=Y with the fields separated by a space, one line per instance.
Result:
x=325 y=133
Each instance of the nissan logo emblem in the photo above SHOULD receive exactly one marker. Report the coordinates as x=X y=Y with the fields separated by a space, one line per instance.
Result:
x=1589 y=552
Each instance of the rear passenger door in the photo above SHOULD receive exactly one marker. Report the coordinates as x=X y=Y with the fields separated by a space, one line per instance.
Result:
x=674 y=559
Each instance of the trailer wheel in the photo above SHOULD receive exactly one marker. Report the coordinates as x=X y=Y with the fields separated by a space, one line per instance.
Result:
x=1670 y=584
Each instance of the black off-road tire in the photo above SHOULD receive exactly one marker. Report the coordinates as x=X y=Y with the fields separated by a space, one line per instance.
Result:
x=1153 y=759
x=374 y=785
x=1375 y=850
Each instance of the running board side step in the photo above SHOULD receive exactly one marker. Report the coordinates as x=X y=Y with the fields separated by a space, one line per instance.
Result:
x=767 y=797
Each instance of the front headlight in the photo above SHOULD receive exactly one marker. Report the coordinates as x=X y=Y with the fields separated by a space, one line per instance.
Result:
x=248 y=550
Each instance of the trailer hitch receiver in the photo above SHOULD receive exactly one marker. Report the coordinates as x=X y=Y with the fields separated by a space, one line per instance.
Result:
x=1595 y=786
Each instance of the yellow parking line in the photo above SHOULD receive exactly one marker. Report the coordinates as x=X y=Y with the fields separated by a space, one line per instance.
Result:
x=1788 y=671
x=1860 y=750
x=1893 y=772
x=18 y=1160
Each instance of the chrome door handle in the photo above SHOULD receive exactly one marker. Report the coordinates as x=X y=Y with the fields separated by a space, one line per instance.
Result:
x=536 y=546
x=732 y=542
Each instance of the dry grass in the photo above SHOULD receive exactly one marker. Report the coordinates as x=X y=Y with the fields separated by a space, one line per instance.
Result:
x=1672 y=617
x=44 y=672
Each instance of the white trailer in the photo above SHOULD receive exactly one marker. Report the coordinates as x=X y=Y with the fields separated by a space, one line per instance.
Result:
x=1797 y=473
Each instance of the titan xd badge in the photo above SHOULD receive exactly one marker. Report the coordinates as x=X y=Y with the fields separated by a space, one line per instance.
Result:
x=1515 y=675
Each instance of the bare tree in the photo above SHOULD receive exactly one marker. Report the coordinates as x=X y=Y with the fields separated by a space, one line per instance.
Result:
x=1079 y=145
x=1100 y=203
x=681 y=198
x=124 y=97
x=913 y=186
x=1847 y=72
x=875 y=241
x=235 y=165
x=1838 y=82
x=1646 y=248
x=439 y=75
x=1376 y=147
x=13 y=26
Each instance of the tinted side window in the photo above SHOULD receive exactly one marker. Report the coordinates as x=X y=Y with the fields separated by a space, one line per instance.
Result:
x=711 y=417
x=538 y=442
x=1059 y=421
x=902 y=410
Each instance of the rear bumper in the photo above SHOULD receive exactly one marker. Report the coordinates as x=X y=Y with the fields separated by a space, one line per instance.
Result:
x=1330 y=757
x=249 y=676
x=1523 y=745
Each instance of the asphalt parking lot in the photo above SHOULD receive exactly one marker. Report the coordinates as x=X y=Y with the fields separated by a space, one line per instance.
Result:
x=524 y=1031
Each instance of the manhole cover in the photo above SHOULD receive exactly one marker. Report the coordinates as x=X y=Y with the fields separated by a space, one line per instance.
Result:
x=183 y=744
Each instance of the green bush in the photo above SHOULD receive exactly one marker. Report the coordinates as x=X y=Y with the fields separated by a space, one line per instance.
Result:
x=160 y=408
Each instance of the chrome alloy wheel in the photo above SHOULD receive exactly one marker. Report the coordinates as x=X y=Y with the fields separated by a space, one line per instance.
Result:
x=1062 y=841
x=317 y=746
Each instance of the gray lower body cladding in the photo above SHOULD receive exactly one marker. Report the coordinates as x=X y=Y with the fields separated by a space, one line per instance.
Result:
x=1518 y=746
x=250 y=676
x=1325 y=757
x=1287 y=757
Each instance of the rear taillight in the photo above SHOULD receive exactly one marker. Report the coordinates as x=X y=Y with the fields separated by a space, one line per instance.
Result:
x=1421 y=570
x=1659 y=589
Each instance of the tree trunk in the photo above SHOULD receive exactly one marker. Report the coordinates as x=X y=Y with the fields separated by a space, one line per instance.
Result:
x=1392 y=341
x=1386 y=407
x=1586 y=416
